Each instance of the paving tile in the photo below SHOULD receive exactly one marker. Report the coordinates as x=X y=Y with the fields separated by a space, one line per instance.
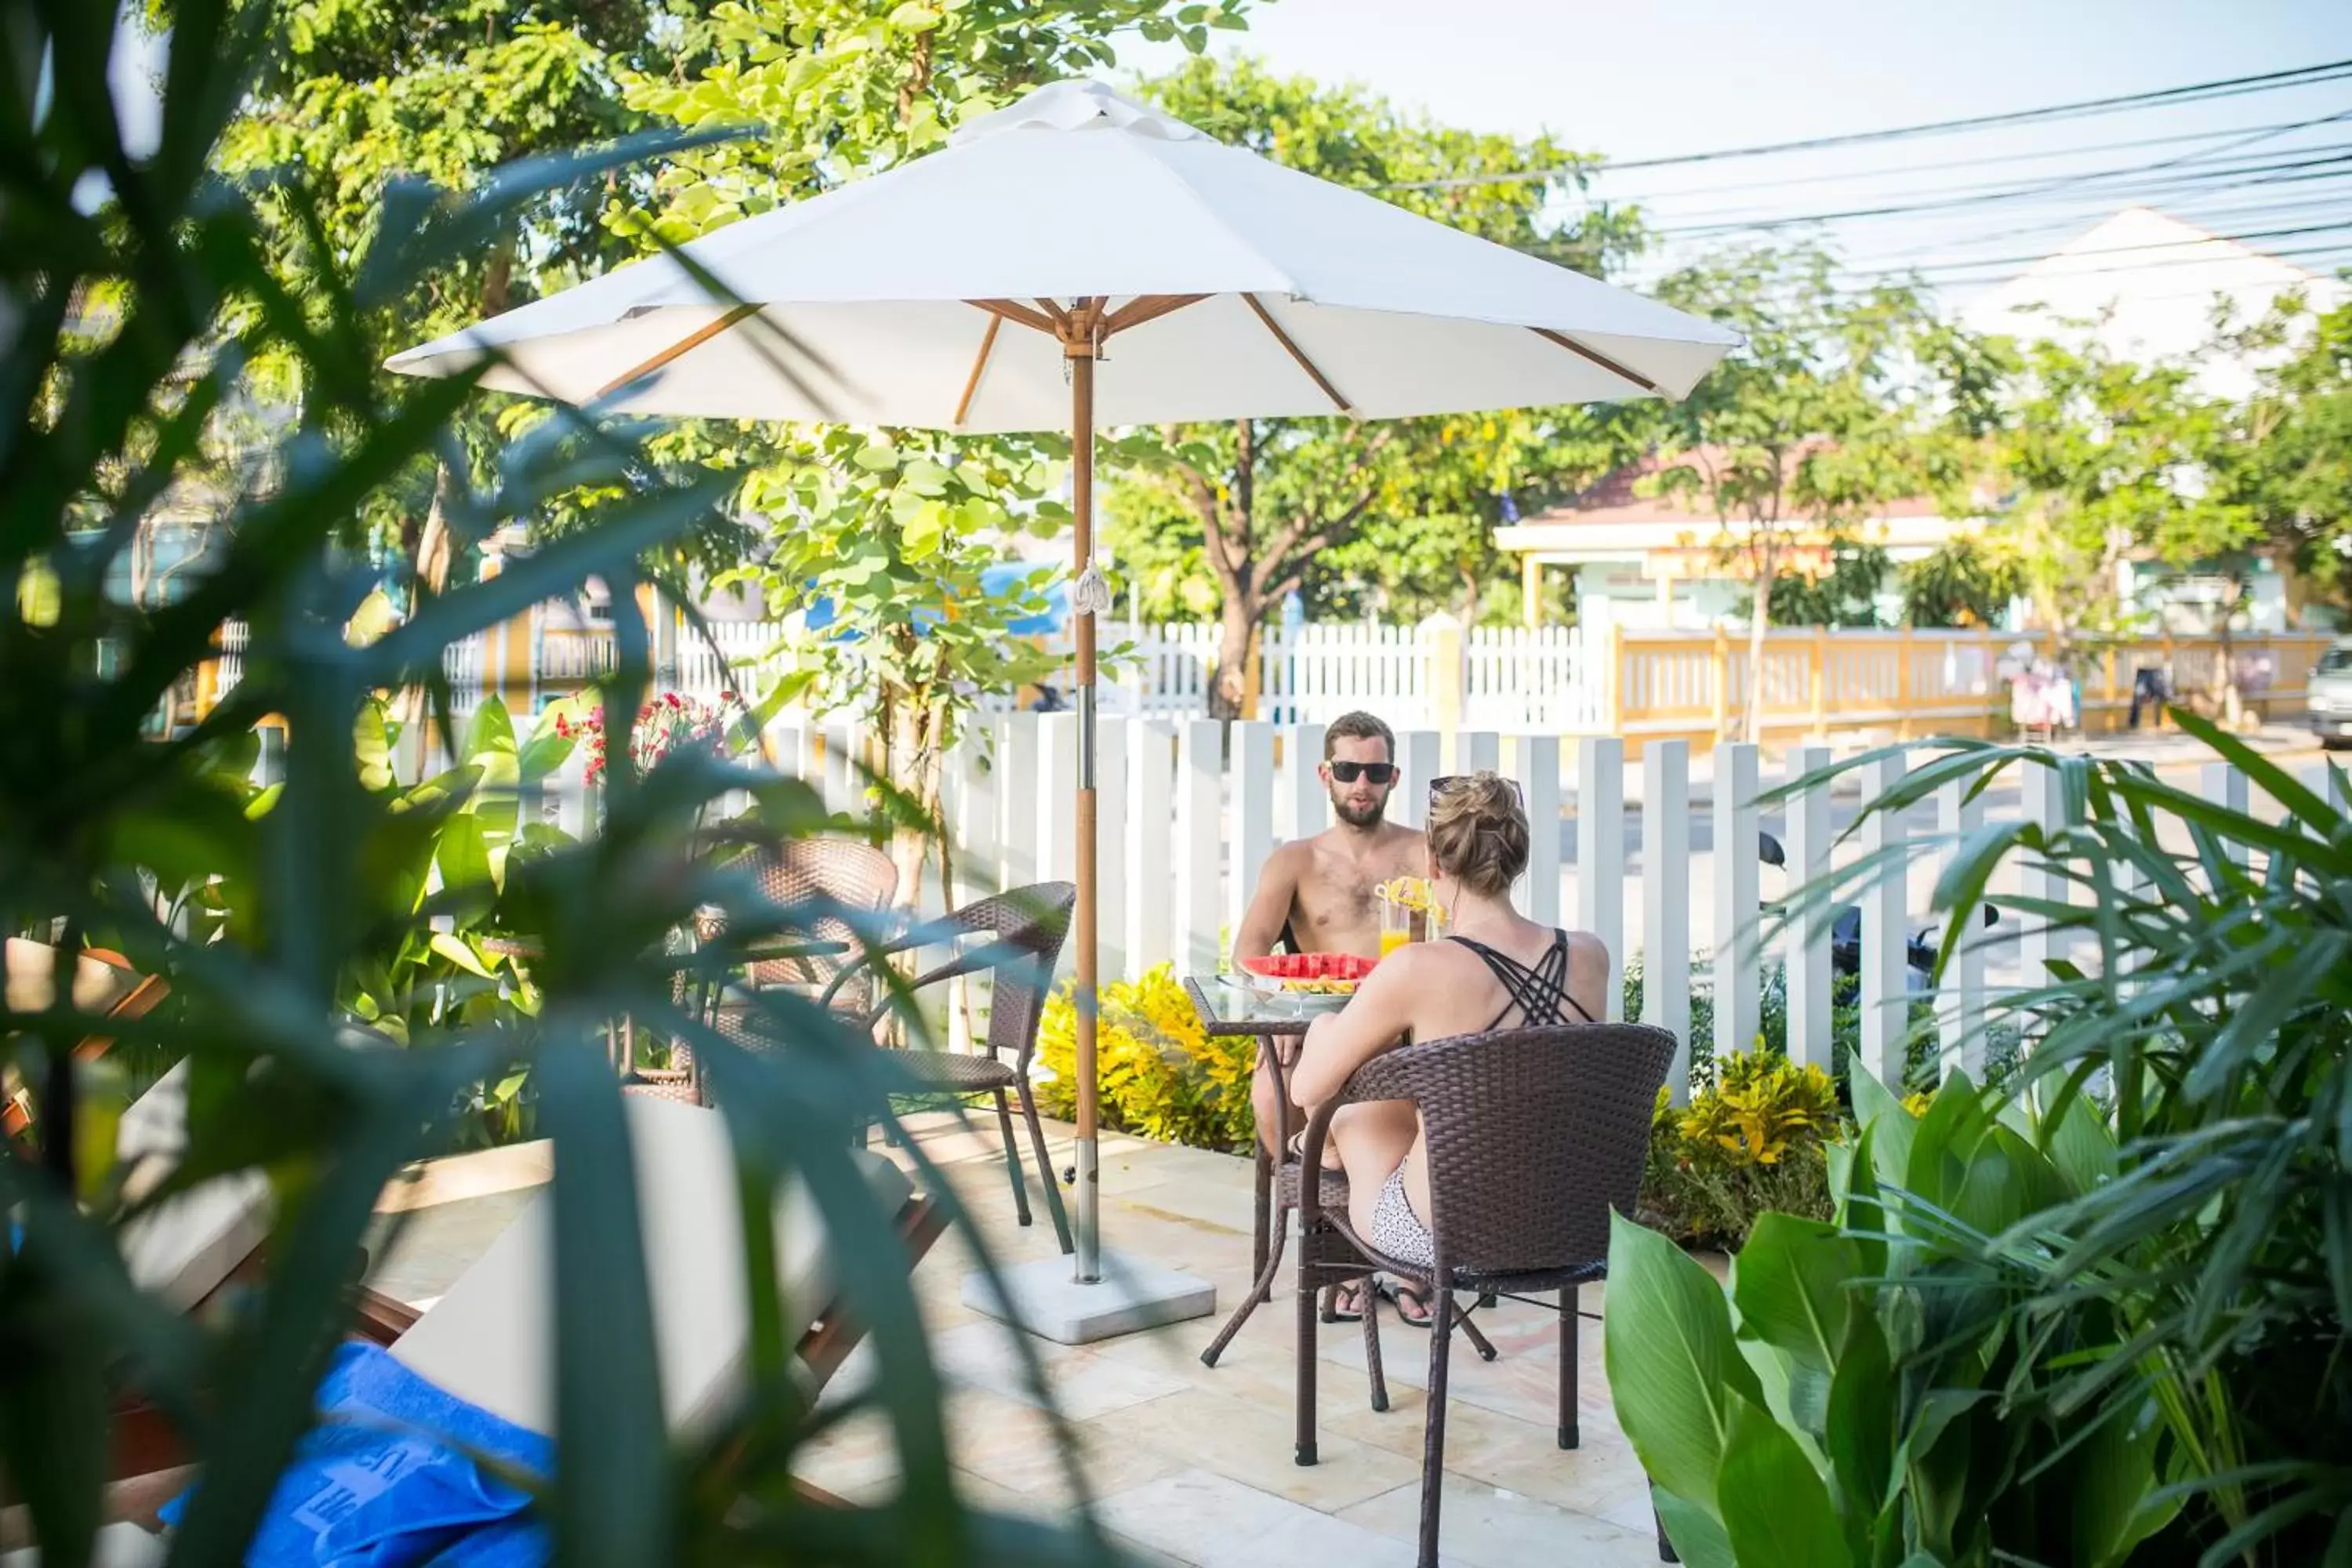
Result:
x=1481 y=1526
x=1250 y=1442
x=1214 y=1521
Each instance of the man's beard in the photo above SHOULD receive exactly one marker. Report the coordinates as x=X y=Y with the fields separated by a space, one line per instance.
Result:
x=1359 y=816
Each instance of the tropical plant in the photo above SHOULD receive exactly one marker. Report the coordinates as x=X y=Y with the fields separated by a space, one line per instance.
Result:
x=1160 y=1073
x=2195 y=1019
x=1871 y=1391
x=285 y=1079
x=1966 y=583
x=1755 y=1141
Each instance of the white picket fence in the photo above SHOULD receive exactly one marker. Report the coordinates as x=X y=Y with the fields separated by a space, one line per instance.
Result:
x=1189 y=810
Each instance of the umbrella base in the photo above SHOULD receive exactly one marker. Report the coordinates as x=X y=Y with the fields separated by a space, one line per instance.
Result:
x=1133 y=1294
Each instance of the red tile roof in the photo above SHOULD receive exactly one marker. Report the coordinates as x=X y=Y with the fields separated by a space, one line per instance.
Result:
x=1615 y=500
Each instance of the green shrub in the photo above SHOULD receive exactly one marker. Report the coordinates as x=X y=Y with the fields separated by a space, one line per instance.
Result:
x=1160 y=1073
x=1755 y=1141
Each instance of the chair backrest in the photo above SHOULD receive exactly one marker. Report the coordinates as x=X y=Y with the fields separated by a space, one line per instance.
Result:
x=1535 y=1135
x=1034 y=921
x=840 y=871
x=102 y=985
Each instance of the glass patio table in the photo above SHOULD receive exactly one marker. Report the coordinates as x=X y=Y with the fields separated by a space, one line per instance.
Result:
x=1228 y=1008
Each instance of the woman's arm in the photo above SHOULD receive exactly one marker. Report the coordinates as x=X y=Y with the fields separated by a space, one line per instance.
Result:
x=1375 y=1018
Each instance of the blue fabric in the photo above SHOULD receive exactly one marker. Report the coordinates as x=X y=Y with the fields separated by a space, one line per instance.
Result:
x=388 y=1479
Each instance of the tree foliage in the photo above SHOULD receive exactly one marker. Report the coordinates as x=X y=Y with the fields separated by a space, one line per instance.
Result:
x=1398 y=514
x=1801 y=432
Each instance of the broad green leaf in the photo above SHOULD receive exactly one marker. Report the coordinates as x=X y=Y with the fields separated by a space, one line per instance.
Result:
x=1776 y=1509
x=1673 y=1367
x=462 y=855
x=492 y=731
x=1860 y=1429
x=1698 y=1536
x=1792 y=1284
x=459 y=952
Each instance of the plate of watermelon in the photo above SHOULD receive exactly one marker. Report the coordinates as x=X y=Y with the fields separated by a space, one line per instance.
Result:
x=1303 y=974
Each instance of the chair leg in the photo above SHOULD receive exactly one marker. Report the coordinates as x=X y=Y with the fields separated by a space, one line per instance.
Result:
x=1054 y=1209
x=1570 y=1436
x=1303 y=1444
x=1433 y=1441
x=1012 y=1158
x=1372 y=1368
x=1478 y=1341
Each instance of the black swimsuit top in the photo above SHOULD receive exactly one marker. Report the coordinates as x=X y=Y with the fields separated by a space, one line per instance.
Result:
x=1538 y=992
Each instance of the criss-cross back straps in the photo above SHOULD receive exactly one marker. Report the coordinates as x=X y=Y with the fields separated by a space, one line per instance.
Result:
x=1538 y=992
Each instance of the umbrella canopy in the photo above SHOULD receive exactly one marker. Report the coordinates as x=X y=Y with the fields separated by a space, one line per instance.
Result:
x=1079 y=258
x=1300 y=297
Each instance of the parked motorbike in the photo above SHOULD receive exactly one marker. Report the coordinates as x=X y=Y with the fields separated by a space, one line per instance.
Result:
x=1919 y=948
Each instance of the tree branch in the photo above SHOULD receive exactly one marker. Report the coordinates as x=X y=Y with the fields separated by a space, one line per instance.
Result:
x=1288 y=544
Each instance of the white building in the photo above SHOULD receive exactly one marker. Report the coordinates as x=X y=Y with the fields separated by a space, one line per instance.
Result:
x=2144 y=285
x=1660 y=563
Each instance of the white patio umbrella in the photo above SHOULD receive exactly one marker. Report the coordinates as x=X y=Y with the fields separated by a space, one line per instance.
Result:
x=1146 y=273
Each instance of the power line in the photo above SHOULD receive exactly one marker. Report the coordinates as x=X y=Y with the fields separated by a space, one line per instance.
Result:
x=2194 y=92
x=2038 y=154
x=2265 y=172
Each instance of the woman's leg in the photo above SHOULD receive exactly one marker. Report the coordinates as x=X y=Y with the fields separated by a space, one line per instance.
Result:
x=1373 y=1138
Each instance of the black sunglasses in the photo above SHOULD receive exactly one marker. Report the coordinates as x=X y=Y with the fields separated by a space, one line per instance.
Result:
x=1438 y=787
x=1348 y=773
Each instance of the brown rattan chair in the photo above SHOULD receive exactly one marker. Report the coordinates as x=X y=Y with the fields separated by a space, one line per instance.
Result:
x=1025 y=929
x=1534 y=1137
x=829 y=881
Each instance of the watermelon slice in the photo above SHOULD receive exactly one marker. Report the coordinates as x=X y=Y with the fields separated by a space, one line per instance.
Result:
x=1289 y=969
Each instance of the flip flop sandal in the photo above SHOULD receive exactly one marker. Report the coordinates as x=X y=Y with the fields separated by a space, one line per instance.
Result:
x=1402 y=1294
x=1335 y=1313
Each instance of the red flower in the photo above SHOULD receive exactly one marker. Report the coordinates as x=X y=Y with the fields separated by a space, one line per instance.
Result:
x=562 y=727
x=671 y=697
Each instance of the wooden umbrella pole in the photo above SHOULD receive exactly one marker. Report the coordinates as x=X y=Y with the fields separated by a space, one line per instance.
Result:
x=1079 y=348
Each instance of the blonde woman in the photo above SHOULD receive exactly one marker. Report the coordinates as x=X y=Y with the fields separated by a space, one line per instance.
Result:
x=1494 y=970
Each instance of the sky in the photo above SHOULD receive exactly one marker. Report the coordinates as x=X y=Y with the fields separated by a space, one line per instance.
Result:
x=1641 y=80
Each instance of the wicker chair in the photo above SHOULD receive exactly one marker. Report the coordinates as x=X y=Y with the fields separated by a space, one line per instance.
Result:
x=1028 y=926
x=829 y=879
x=1534 y=1136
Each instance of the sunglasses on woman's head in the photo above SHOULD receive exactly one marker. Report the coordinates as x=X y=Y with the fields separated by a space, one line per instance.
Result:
x=1438 y=786
x=1348 y=773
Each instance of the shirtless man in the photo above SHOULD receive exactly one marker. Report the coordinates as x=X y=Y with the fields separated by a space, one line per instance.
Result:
x=1320 y=889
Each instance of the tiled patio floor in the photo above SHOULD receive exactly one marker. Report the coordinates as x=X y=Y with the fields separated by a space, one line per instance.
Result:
x=1191 y=1464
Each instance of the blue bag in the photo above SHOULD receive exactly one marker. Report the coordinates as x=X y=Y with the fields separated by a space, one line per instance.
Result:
x=388 y=1479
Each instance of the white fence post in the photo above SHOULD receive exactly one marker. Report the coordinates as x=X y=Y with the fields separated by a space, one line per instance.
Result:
x=1959 y=999
x=1252 y=783
x=1732 y=963
x=1017 y=784
x=1152 y=849
x=1886 y=971
x=1306 y=805
x=1200 y=842
x=1535 y=762
x=1812 y=1032
x=1600 y=855
x=2326 y=782
x=2038 y=801
x=1114 y=831
x=1665 y=901
x=1477 y=750
x=1054 y=803
x=1417 y=751
x=2226 y=787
